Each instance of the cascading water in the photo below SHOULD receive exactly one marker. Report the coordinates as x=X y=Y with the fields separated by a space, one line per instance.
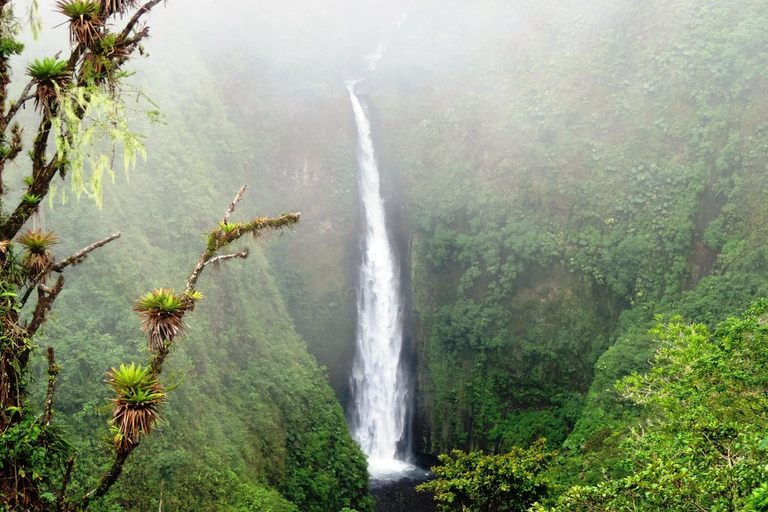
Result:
x=380 y=396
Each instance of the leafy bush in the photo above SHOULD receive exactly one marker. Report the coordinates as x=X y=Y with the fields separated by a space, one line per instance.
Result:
x=473 y=482
x=702 y=444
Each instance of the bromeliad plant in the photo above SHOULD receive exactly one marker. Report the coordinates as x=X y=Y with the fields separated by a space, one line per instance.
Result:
x=50 y=76
x=85 y=20
x=162 y=316
x=138 y=391
x=139 y=396
x=38 y=258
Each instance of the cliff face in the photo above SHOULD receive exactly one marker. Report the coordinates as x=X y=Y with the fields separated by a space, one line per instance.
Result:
x=569 y=172
x=254 y=421
x=564 y=172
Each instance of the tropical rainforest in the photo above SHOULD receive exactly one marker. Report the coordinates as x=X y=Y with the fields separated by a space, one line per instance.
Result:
x=578 y=189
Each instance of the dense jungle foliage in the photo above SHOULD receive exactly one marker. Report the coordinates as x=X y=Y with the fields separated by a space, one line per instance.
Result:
x=594 y=165
x=474 y=482
x=702 y=445
x=567 y=171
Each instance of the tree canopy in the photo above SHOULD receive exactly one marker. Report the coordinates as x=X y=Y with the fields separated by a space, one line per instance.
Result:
x=475 y=482
x=703 y=440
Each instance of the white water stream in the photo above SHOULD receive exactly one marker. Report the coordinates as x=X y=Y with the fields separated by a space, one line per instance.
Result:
x=380 y=396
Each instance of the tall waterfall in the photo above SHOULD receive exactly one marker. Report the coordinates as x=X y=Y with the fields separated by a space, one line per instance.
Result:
x=379 y=415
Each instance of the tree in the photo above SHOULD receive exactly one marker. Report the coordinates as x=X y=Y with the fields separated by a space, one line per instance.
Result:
x=702 y=444
x=474 y=482
x=78 y=104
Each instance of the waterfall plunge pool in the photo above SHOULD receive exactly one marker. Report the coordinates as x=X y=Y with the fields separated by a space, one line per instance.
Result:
x=390 y=470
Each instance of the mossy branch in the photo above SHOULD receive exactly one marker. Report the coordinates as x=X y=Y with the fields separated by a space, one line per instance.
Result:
x=226 y=233
x=42 y=173
x=108 y=478
x=45 y=298
x=53 y=372
x=82 y=253
x=72 y=260
x=172 y=309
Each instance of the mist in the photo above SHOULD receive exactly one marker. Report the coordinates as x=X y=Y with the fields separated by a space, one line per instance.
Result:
x=524 y=226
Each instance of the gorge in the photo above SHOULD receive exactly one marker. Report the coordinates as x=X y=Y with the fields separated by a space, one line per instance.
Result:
x=492 y=222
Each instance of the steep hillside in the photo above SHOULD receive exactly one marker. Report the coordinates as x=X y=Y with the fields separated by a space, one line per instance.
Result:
x=571 y=170
x=253 y=423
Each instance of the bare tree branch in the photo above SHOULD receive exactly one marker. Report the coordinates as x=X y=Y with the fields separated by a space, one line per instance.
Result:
x=195 y=275
x=234 y=203
x=79 y=255
x=62 y=498
x=58 y=267
x=23 y=98
x=224 y=257
x=144 y=9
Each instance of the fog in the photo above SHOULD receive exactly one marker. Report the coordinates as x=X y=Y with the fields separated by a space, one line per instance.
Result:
x=506 y=195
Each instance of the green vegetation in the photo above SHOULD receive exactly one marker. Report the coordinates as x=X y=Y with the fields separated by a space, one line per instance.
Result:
x=701 y=443
x=569 y=169
x=594 y=165
x=473 y=482
x=700 y=440
x=252 y=422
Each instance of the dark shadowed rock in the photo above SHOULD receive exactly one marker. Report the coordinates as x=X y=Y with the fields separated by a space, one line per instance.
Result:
x=401 y=496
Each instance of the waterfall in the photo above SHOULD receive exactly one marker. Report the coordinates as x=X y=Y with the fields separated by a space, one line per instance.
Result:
x=378 y=419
